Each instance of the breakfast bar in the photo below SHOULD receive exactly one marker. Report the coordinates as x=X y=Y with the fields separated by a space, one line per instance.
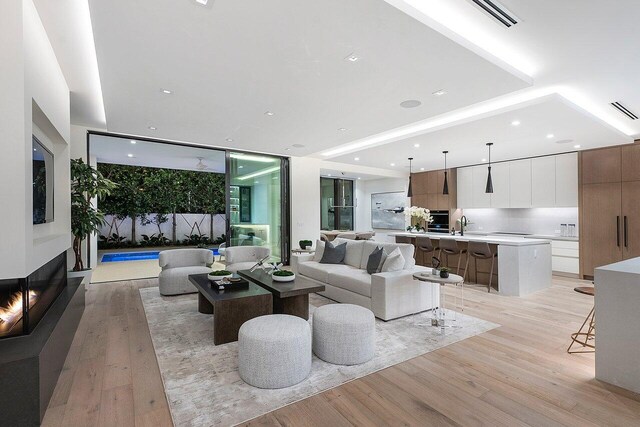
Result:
x=523 y=264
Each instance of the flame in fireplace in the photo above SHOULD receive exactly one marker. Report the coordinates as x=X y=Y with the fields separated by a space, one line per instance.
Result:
x=12 y=312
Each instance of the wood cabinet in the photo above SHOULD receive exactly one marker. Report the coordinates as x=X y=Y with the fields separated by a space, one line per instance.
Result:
x=610 y=207
x=427 y=190
x=543 y=182
x=520 y=179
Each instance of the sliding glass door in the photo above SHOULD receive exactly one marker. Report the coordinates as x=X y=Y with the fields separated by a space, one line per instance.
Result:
x=257 y=211
x=336 y=204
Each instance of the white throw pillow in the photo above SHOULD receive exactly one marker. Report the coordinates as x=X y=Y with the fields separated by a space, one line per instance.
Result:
x=317 y=256
x=394 y=262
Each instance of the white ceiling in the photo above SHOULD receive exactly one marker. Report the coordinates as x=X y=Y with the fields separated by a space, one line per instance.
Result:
x=229 y=63
x=466 y=142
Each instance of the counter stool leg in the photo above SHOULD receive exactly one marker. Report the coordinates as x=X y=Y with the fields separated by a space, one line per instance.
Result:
x=493 y=259
x=588 y=336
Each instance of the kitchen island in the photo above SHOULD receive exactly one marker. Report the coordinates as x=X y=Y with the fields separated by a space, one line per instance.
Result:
x=523 y=264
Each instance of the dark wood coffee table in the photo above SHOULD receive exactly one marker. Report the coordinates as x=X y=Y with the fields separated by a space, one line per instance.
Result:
x=230 y=308
x=288 y=297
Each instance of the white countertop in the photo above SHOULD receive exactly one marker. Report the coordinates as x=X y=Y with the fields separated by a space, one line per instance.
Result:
x=495 y=240
x=631 y=266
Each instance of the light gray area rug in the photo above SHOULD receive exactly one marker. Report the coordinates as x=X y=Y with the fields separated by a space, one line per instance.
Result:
x=201 y=379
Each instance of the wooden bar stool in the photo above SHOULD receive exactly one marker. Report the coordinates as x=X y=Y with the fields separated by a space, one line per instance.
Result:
x=480 y=250
x=451 y=247
x=424 y=246
x=585 y=333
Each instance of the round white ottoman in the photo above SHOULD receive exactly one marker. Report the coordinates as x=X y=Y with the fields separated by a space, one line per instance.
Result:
x=344 y=334
x=274 y=351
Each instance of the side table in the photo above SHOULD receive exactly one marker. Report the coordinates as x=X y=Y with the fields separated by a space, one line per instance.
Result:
x=453 y=279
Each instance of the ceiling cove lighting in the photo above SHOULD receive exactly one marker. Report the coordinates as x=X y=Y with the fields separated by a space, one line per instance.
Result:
x=445 y=188
x=251 y=158
x=259 y=173
x=409 y=189
x=489 y=188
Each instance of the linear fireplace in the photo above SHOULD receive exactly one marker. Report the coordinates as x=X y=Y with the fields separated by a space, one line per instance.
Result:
x=24 y=301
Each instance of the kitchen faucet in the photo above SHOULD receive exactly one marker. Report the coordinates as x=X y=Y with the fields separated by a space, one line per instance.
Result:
x=463 y=224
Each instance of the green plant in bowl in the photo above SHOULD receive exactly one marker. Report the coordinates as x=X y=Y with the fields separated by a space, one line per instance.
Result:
x=283 y=273
x=220 y=273
x=304 y=244
x=444 y=272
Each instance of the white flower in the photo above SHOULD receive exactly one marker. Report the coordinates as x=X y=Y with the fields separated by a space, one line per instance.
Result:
x=421 y=214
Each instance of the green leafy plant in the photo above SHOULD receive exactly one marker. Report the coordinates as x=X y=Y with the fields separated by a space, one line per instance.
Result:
x=304 y=244
x=86 y=184
x=220 y=273
x=283 y=273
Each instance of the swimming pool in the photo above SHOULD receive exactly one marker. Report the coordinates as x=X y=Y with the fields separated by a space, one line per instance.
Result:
x=135 y=256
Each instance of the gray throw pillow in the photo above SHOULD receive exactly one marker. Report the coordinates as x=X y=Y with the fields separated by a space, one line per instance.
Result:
x=333 y=254
x=376 y=259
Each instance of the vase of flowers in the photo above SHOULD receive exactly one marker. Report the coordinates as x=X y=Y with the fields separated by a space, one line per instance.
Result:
x=418 y=218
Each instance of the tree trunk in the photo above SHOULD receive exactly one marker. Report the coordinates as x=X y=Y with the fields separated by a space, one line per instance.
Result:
x=211 y=227
x=77 y=251
x=133 y=229
x=173 y=229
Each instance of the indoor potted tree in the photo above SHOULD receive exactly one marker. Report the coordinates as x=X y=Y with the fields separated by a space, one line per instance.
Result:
x=86 y=183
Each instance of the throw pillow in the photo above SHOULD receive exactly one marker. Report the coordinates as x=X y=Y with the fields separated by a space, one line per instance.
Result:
x=333 y=254
x=317 y=256
x=376 y=259
x=394 y=262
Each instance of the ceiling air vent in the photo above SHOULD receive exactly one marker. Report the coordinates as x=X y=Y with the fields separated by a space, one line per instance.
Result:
x=624 y=110
x=497 y=12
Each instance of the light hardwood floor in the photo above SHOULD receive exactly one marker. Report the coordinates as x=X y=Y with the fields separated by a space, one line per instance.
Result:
x=517 y=374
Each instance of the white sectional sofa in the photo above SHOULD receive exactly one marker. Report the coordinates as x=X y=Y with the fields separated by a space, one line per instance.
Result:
x=389 y=295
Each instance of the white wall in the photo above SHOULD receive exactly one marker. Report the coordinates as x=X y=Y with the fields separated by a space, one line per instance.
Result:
x=364 y=190
x=305 y=199
x=33 y=91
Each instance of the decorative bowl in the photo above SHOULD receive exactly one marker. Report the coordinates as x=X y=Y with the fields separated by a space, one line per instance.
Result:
x=283 y=278
x=215 y=278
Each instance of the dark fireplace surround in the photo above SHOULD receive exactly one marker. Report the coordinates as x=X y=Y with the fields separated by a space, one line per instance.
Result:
x=39 y=316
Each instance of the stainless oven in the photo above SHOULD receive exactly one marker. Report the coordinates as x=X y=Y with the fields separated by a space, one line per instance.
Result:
x=440 y=222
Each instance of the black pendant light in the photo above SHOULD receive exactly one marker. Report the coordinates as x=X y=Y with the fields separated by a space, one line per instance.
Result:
x=409 y=190
x=489 y=188
x=445 y=188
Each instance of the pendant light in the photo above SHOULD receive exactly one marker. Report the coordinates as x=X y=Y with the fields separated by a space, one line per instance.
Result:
x=489 y=188
x=445 y=188
x=409 y=190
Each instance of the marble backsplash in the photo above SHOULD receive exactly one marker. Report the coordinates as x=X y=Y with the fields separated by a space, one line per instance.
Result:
x=544 y=221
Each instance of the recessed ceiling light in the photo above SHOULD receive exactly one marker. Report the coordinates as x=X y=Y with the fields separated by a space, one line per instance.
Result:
x=287 y=149
x=342 y=129
x=484 y=160
x=328 y=174
x=416 y=145
x=298 y=145
x=515 y=123
x=202 y=2
x=564 y=141
x=576 y=146
x=439 y=92
x=129 y=155
x=268 y=113
x=256 y=182
x=152 y=128
x=229 y=139
x=133 y=141
x=410 y=103
x=352 y=58
x=167 y=91
x=392 y=164
x=356 y=158
x=550 y=135
x=358 y=177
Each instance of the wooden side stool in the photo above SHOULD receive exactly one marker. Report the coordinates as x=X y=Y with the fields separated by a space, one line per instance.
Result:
x=585 y=333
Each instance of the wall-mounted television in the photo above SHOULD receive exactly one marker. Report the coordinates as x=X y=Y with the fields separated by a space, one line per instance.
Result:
x=42 y=183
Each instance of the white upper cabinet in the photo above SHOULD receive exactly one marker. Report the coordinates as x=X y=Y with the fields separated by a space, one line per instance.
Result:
x=479 y=198
x=465 y=187
x=567 y=180
x=501 y=185
x=543 y=182
x=520 y=178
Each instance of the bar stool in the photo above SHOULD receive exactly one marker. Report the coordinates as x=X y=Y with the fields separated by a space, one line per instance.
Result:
x=480 y=250
x=582 y=337
x=424 y=246
x=451 y=247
